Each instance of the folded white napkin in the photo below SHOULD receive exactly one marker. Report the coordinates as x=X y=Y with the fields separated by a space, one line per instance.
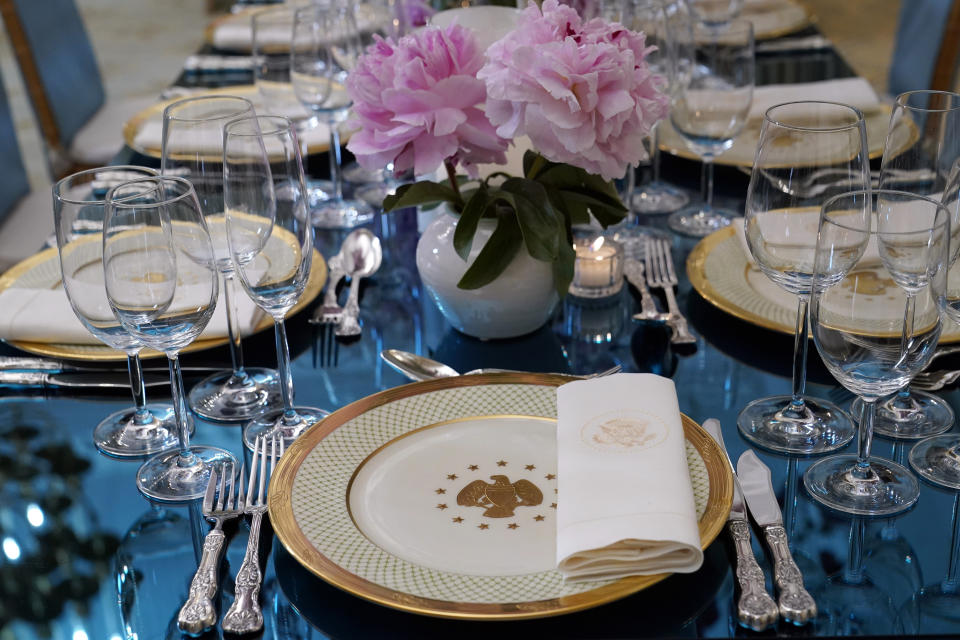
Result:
x=45 y=315
x=855 y=92
x=625 y=502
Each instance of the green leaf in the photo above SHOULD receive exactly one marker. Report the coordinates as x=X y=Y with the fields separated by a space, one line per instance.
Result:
x=469 y=219
x=563 y=266
x=495 y=256
x=605 y=209
x=574 y=212
x=538 y=223
x=419 y=193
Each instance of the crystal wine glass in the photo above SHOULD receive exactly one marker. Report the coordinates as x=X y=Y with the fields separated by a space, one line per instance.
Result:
x=78 y=209
x=921 y=167
x=798 y=141
x=271 y=241
x=710 y=110
x=193 y=148
x=326 y=44
x=162 y=283
x=863 y=280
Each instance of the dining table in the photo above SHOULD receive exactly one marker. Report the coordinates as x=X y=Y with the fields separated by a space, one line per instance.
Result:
x=84 y=556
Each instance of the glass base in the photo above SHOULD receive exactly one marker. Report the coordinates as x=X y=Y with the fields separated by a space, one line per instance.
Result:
x=937 y=459
x=319 y=191
x=225 y=397
x=770 y=423
x=169 y=478
x=919 y=416
x=658 y=197
x=120 y=436
x=374 y=193
x=271 y=424
x=698 y=221
x=883 y=489
x=353 y=172
x=340 y=214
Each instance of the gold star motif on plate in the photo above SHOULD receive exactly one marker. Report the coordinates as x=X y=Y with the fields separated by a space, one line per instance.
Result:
x=458 y=519
x=452 y=476
x=473 y=467
x=513 y=525
x=440 y=491
x=501 y=463
x=530 y=467
x=550 y=476
x=483 y=526
x=538 y=518
x=441 y=506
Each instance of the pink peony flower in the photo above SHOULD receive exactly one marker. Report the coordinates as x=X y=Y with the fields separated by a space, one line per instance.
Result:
x=582 y=92
x=416 y=103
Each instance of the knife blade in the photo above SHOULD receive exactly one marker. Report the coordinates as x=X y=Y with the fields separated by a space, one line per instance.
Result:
x=796 y=604
x=13 y=363
x=755 y=608
x=85 y=380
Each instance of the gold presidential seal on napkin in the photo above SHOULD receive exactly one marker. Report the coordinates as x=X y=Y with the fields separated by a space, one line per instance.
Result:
x=620 y=432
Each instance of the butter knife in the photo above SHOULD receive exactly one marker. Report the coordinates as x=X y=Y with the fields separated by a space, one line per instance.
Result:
x=85 y=380
x=796 y=605
x=17 y=363
x=755 y=609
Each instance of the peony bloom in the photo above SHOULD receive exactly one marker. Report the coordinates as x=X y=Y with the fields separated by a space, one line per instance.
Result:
x=417 y=103
x=581 y=91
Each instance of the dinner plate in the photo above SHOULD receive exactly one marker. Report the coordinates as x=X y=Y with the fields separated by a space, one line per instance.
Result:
x=720 y=272
x=380 y=499
x=774 y=18
x=744 y=148
x=42 y=270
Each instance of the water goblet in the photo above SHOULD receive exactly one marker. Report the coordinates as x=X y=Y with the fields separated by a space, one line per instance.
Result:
x=799 y=140
x=923 y=166
x=78 y=210
x=710 y=110
x=271 y=240
x=863 y=280
x=193 y=148
x=326 y=44
x=161 y=276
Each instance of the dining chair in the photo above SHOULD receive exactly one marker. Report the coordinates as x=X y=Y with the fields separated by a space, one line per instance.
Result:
x=80 y=124
x=926 y=46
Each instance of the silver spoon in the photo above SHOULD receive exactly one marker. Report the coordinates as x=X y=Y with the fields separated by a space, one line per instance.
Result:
x=362 y=256
x=418 y=368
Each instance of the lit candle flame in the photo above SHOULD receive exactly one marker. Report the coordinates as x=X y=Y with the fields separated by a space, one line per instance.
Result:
x=596 y=244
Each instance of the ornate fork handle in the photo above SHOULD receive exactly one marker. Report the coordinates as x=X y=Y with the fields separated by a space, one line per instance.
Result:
x=796 y=605
x=350 y=321
x=756 y=608
x=676 y=321
x=244 y=615
x=635 y=276
x=198 y=613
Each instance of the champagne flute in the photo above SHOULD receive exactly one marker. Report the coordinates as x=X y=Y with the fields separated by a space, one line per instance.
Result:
x=161 y=278
x=861 y=285
x=710 y=111
x=799 y=140
x=78 y=209
x=923 y=167
x=271 y=241
x=193 y=148
x=326 y=44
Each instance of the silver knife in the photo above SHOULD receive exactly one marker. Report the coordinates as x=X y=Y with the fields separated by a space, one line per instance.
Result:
x=85 y=380
x=14 y=363
x=796 y=605
x=755 y=609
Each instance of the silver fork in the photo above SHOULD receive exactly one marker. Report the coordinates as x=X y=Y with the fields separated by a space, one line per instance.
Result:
x=198 y=613
x=327 y=317
x=660 y=273
x=636 y=275
x=244 y=615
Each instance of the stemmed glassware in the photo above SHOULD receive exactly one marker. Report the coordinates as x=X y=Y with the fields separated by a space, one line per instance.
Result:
x=863 y=280
x=193 y=148
x=798 y=142
x=78 y=211
x=710 y=110
x=271 y=241
x=161 y=278
x=923 y=167
x=325 y=46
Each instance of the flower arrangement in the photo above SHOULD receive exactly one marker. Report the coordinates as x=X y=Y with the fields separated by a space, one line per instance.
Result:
x=581 y=91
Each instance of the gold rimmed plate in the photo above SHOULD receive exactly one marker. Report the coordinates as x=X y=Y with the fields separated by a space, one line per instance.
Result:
x=379 y=499
x=775 y=18
x=719 y=271
x=42 y=271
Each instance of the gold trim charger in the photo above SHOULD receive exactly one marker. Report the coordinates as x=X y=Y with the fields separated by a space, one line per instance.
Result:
x=405 y=458
x=721 y=273
x=42 y=270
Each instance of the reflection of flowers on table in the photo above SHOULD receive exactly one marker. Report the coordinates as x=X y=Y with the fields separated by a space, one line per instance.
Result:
x=500 y=498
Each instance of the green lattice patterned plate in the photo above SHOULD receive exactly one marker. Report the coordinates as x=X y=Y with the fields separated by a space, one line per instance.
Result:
x=377 y=499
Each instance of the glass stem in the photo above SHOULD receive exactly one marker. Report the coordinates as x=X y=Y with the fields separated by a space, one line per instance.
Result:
x=854 y=571
x=336 y=176
x=655 y=152
x=865 y=439
x=186 y=458
x=953 y=562
x=790 y=497
x=142 y=415
x=908 y=317
x=706 y=182
x=233 y=329
x=286 y=376
x=800 y=355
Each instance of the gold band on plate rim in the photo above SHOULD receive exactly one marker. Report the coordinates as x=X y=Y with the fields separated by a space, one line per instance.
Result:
x=289 y=533
x=318 y=276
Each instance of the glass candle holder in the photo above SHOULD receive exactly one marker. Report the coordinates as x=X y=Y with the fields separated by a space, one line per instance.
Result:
x=598 y=270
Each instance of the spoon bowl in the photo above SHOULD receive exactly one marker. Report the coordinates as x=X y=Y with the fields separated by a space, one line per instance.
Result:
x=417 y=367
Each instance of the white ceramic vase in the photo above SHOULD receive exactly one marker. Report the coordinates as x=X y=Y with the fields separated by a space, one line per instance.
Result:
x=519 y=301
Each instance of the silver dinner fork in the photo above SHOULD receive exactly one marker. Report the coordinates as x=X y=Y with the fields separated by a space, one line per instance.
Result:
x=198 y=613
x=326 y=318
x=244 y=615
x=660 y=273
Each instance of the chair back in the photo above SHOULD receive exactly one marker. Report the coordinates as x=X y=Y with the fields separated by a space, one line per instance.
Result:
x=15 y=183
